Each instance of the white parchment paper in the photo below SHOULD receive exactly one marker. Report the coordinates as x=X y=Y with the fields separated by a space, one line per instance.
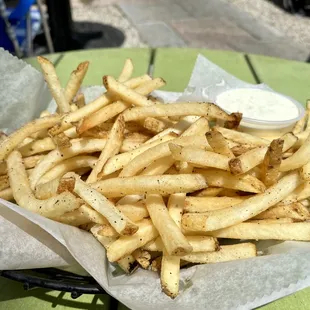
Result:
x=28 y=240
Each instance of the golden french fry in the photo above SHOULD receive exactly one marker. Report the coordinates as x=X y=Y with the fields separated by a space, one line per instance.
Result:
x=241 y=137
x=219 y=144
x=121 y=160
x=298 y=159
x=37 y=146
x=127 y=244
x=159 y=151
x=156 y=264
x=199 y=127
x=155 y=125
x=162 y=184
x=4 y=182
x=261 y=231
x=234 y=124
x=75 y=81
x=80 y=100
x=126 y=71
x=300 y=193
x=73 y=218
x=61 y=140
x=159 y=166
x=142 y=257
x=23 y=195
x=270 y=168
x=204 y=204
x=15 y=138
x=111 y=148
x=272 y=221
x=198 y=157
x=208 y=110
x=305 y=172
x=174 y=241
x=240 y=149
x=294 y=211
x=219 y=178
x=226 y=253
x=243 y=211
x=47 y=190
x=53 y=83
x=97 y=201
x=300 y=125
x=289 y=141
x=247 y=161
x=49 y=161
x=135 y=211
x=7 y=194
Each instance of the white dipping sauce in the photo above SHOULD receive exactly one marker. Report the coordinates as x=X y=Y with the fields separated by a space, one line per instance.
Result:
x=258 y=104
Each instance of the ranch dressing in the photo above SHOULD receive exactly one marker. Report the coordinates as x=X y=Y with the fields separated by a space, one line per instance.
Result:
x=258 y=104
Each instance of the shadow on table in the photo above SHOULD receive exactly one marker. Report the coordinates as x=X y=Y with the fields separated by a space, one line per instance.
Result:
x=11 y=290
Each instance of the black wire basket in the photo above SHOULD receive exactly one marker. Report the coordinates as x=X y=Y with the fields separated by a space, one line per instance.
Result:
x=55 y=279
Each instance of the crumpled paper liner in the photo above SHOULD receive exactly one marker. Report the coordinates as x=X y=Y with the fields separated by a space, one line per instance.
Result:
x=29 y=240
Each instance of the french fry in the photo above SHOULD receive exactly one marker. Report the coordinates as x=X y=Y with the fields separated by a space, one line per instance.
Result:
x=219 y=144
x=300 y=125
x=270 y=168
x=23 y=195
x=115 y=217
x=121 y=160
x=159 y=151
x=300 y=193
x=272 y=221
x=204 y=204
x=4 y=182
x=218 y=178
x=7 y=194
x=127 y=244
x=80 y=100
x=135 y=212
x=289 y=140
x=199 y=127
x=208 y=110
x=15 y=138
x=298 y=159
x=243 y=211
x=111 y=148
x=61 y=141
x=234 y=124
x=155 y=125
x=241 y=149
x=37 y=146
x=56 y=156
x=162 y=184
x=159 y=166
x=198 y=157
x=156 y=264
x=294 y=211
x=126 y=71
x=241 y=137
x=226 y=253
x=247 y=161
x=70 y=164
x=53 y=83
x=260 y=231
x=166 y=227
x=47 y=190
x=142 y=257
x=75 y=81
x=207 y=192
x=73 y=218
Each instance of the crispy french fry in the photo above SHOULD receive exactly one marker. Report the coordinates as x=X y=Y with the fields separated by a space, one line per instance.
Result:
x=37 y=146
x=300 y=125
x=218 y=178
x=298 y=159
x=159 y=166
x=270 y=168
x=294 y=211
x=241 y=137
x=156 y=264
x=219 y=144
x=121 y=160
x=111 y=148
x=204 y=204
x=208 y=110
x=261 y=231
x=47 y=190
x=14 y=139
x=176 y=245
x=142 y=257
x=289 y=140
x=243 y=211
x=53 y=83
x=126 y=71
x=70 y=164
x=127 y=244
x=61 y=141
x=162 y=184
x=159 y=151
x=115 y=217
x=4 y=182
x=56 y=156
x=75 y=81
x=198 y=157
x=240 y=149
x=80 y=100
x=199 y=127
x=7 y=194
x=226 y=253
x=300 y=193
x=272 y=221
x=247 y=161
x=23 y=195
x=135 y=212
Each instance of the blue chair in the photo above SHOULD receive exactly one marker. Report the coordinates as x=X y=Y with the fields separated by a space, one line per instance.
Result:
x=17 y=27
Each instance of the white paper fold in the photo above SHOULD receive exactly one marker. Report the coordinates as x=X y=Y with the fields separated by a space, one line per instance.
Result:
x=28 y=240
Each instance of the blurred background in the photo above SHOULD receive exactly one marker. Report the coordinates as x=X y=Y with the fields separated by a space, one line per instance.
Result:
x=279 y=28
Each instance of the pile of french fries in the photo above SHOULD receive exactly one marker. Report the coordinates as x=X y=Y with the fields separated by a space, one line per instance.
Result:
x=159 y=185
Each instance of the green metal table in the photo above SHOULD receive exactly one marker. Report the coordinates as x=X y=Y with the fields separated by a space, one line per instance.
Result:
x=175 y=66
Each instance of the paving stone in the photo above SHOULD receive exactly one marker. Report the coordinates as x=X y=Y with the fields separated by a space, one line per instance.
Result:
x=159 y=34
